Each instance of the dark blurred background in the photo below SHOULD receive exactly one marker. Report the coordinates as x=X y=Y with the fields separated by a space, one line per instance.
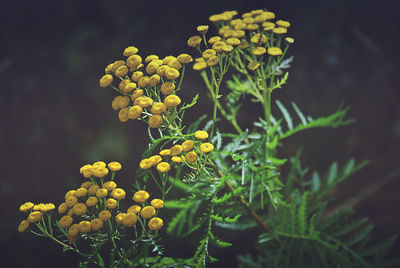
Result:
x=55 y=117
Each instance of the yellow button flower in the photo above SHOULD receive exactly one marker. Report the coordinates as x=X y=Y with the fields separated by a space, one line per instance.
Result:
x=134 y=61
x=136 y=76
x=194 y=41
x=172 y=101
x=150 y=58
x=168 y=59
x=157 y=203
x=174 y=64
x=201 y=134
x=143 y=81
x=146 y=163
x=103 y=171
x=109 y=185
x=233 y=41
x=136 y=94
x=118 y=193
x=104 y=215
x=114 y=166
x=79 y=209
x=198 y=66
x=167 y=88
x=176 y=150
x=158 y=108
x=274 y=51
x=214 y=39
x=73 y=230
x=111 y=203
x=65 y=221
x=152 y=67
x=85 y=168
x=141 y=196
x=143 y=102
x=253 y=65
x=172 y=74
x=115 y=106
x=26 y=207
x=202 y=29
x=23 y=226
x=116 y=65
x=71 y=201
x=218 y=46
x=85 y=227
x=91 y=201
x=258 y=51
x=86 y=184
x=102 y=192
x=206 y=147
x=155 y=159
x=290 y=40
x=129 y=51
x=188 y=145
x=62 y=208
x=154 y=80
x=177 y=159
x=155 y=223
x=106 y=80
x=208 y=53
x=123 y=117
x=279 y=30
x=258 y=38
x=96 y=224
x=243 y=44
x=134 y=112
x=35 y=216
x=134 y=209
x=93 y=189
x=269 y=15
x=122 y=70
x=191 y=157
x=161 y=70
x=69 y=193
x=227 y=48
x=147 y=212
x=80 y=192
x=163 y=167
x=129 y=219
x=252 y=26
x=128 y=88
x=120 y=217
x=155 y=121
x=283 y=23
x=123 y=101
x=184 y=58
x=165 y=152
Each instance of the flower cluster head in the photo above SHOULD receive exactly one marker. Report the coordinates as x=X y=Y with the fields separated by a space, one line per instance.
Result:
x=254 y=35
x=142 y=212
x=147 y=86
x=99 y=169
x=187 y=152
x=35 y=213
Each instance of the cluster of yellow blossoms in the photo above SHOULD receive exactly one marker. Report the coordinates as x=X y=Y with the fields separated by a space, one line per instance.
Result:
x=255 y=34
x=147 y=88
x=91 y=206
x=187 y=152
x=35 y=213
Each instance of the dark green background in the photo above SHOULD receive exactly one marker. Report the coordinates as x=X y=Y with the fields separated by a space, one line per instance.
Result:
x=54 y=117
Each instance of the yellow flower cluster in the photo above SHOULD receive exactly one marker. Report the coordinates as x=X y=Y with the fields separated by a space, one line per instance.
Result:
x=187 y=152
x=256 y=31
x=147 y=86
x=99 y=169
x=131 y=216
x=35 y=213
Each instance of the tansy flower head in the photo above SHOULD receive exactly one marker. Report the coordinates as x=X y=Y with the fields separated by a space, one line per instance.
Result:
x=96 y=224
x=154 y=80
x=201 y=134
x=243 y=44
x=167 y=88
x=165 y=152
x=157 y=203
x=116 y=65
x=141 y=196
x=187 y=145
x=120 y=217
x=114 y=166
x=111 y=203
x=71 y=201
x=136 y=76
x=23 y=226
x=134 y=61
x=211 y=62
x=172 y=74
x=155 y=121
x=150 y=58
x=214 y=39
x=184 y=58
x=283 y=23
x=73 y=230
x=109 y=185
x=86 y=184
x=146 y=163
x=85 y=227
x=158 y=108
x=290 y=40
x=172 y=101
x=208 y=53
x=103 y=171
x=206 y=147
x=62 y=208
x=143 y=102
x=35 y=216
x=106 y=80
x=176 y=150
x=129 y=219
x=91 y=201
x=102 y=192
x=258 y=38
x=123 y=116
x=129 y=51
x=233 y=41
x=174 y=64
x=155 y=159
x=104 y=215
x=194 y=41
x=135 y=111
x=198 y=66
x=218 y=46
x=26 y=206
x=177 y=159
x=93 y=189
x=65 y=221
x=147 y=212
x=134 y=209
x=155 y=223
x=191 y=157
x=163 y=167
x=136 y=94
x=202 y=29
x=258 y=51
x=274 y=51
x=279 y=30
x=80 y=192
x=253 y=65
x=79 y=209
x=122 y=70
x=118 y=193
x=69 y=193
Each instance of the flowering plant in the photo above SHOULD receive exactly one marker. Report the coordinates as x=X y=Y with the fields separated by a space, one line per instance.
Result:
x=234 y=181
